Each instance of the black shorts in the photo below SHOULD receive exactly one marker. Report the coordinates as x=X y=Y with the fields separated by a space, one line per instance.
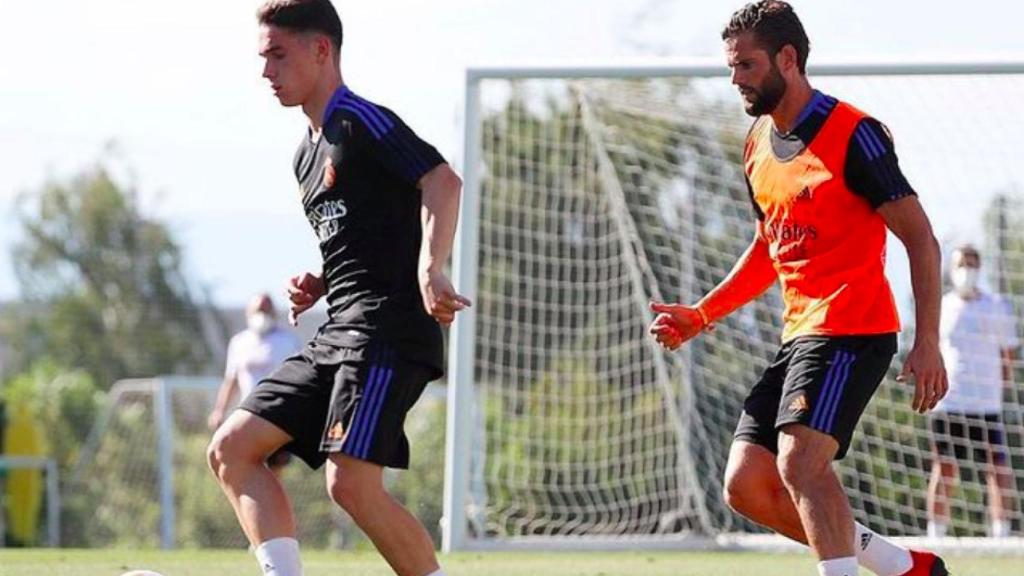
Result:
x=823 y=382
x=952 y=433
x=348 y=400
x=280 y=458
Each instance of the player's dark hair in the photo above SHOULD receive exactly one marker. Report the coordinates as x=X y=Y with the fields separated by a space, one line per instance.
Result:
x=774 y=24
x=303 y=16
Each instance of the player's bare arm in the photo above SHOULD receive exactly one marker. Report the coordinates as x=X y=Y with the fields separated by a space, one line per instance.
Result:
x=1007 y=358
x=225 y=396
x=748 y=279
x=907 y=220
x=442 y=189
x=303 y=292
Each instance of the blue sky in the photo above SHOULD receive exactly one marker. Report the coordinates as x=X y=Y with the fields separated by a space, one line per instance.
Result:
x=177 y=87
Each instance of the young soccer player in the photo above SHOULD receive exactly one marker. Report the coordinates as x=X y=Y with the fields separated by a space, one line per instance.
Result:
x=825 y=185
x=384 y=205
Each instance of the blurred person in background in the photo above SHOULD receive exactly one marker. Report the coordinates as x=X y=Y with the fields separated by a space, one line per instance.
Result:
x=252 y=355
x=978 y=336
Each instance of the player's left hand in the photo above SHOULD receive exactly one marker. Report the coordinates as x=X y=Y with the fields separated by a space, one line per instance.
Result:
x=439 y=296
x=930 y=384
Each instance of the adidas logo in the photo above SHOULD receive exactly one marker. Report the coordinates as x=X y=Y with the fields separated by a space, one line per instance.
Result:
x=268 y=568
x=865 y=539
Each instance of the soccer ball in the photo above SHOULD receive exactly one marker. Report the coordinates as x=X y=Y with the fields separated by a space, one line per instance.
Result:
x=141 y=573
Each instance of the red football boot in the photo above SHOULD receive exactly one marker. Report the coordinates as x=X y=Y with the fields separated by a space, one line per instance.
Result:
x=926 y=564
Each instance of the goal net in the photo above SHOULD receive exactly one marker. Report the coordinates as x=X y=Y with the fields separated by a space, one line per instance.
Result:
x=589 y=193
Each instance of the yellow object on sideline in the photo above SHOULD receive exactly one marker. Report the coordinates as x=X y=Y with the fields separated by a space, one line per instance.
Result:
x=23 y=436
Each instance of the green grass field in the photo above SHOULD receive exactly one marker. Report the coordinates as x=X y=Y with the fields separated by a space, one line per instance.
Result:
x=211 y=563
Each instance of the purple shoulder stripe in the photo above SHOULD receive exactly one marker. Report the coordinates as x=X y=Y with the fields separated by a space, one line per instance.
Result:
x=374 y=128
x=869 y=142
x=372 y=111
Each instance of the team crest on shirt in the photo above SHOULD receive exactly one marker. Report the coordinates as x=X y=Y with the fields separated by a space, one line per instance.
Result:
x=337 y=432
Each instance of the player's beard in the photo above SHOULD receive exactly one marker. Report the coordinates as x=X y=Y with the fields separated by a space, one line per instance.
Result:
x=768 y=96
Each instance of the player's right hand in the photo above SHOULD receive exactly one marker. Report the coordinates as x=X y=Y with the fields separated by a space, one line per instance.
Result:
x=675 y=324
x=925 y=364
x=303 y=292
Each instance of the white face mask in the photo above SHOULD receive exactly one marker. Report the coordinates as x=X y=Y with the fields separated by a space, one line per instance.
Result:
x=260 y=323
x=965 y=279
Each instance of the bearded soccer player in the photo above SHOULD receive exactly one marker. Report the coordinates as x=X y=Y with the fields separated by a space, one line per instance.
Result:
x=825 y=185
x=384 y=205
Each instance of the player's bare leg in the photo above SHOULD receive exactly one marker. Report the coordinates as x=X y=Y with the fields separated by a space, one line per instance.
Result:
x=358 y=487
x=940 y=488
x=754 y=489
x=237 y=455
x=805 y=465
x=999 y=480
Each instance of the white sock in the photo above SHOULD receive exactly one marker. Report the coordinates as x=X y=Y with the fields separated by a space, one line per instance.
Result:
x=878 y=554
x=937 y=529
x=1000 y=528
x=279 y=557
x=838 y=567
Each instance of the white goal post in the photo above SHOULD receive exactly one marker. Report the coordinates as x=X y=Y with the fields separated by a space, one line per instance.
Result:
x=590 y=190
